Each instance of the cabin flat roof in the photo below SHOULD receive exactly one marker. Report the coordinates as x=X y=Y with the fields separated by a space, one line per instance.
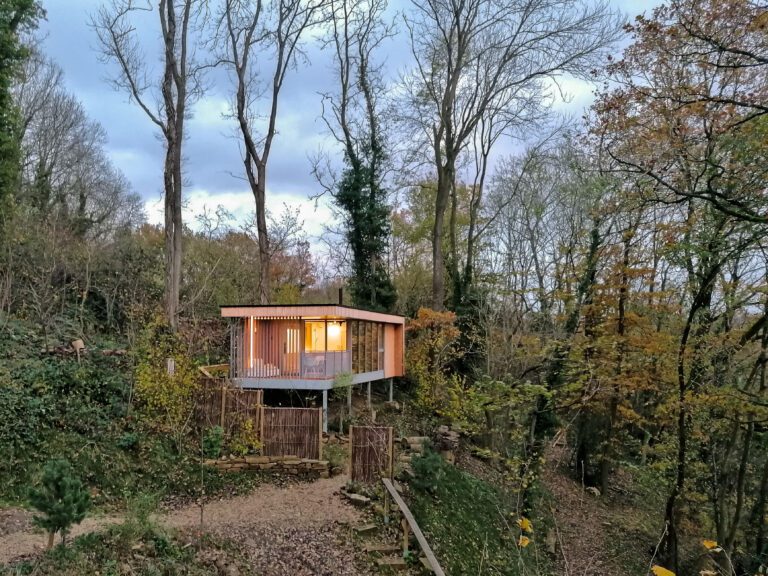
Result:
x=307 y=311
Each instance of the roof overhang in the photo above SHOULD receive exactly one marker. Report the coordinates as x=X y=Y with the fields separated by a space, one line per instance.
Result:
x=309 y=311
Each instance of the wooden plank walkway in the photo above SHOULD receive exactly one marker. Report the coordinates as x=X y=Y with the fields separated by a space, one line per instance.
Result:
x=414 y=526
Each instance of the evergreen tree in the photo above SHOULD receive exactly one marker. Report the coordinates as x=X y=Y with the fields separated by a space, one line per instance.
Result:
x=363 y=200
x=61 y=498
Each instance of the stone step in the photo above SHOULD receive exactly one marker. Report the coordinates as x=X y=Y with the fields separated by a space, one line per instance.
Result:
x=392 y=562
x=366 y=529
x=381 y=548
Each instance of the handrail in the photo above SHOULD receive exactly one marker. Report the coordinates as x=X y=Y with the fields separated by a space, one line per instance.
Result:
x=207 y=370
x=415 y=527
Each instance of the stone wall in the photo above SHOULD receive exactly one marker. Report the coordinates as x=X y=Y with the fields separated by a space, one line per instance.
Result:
x=280 y=464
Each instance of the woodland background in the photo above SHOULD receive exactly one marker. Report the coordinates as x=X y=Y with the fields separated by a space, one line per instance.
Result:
x=608 y=281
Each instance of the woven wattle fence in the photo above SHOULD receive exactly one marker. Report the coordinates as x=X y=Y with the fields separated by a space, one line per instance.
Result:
x=292 y=432
x=227 y=406
x=371 y=453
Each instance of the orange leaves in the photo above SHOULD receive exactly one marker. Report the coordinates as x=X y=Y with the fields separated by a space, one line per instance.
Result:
x=525 y=524
x=661 y=571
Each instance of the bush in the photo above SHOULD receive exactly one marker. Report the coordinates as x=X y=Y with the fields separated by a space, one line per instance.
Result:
x=212 y=441
x=246 y=440
x=167 y=399
x=62 y=499
x=128 y=441
x=429 y=470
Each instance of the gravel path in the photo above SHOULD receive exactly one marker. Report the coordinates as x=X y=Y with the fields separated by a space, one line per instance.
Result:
x=297 y=529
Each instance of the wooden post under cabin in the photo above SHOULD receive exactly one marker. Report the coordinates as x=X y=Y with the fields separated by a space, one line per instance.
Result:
x=349 y=400
x=391 y=390
x=325 y=412
x=223 y=405
x=369 y=395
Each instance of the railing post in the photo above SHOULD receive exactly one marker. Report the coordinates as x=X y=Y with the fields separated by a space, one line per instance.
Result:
x=406 y=534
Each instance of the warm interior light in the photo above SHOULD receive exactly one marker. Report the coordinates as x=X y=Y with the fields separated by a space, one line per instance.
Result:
x=337 y=337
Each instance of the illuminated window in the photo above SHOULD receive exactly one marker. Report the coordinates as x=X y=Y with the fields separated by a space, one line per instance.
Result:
x=321 y=336
x=314 y=337
x=337 y=336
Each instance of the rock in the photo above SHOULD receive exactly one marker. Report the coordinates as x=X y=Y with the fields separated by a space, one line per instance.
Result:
x=594 y=491
x=392 y=563
x=366 y=529
x=257 y=459
x=357 y=499
x=551 y=541
x=448 y=456
x=380 y=548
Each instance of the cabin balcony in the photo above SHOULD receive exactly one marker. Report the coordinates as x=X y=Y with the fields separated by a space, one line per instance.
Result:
x=307 y=352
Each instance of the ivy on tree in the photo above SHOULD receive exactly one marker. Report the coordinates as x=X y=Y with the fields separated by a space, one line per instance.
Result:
x=61 y=499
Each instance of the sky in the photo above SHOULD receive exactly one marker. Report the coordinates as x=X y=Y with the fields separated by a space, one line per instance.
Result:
x=213 y=165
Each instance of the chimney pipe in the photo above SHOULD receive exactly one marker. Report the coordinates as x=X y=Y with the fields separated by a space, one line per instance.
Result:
x=341 y=296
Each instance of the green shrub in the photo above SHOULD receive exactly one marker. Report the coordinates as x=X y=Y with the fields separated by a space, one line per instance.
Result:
x=61 y=498
x=212 y=442
x=128 y=441
x=429 y=470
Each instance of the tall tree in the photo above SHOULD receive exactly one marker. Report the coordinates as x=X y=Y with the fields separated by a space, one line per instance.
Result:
x=16 y=17
x=352 y=115
x=481 y=69
x=245 y=29
x=179 y=85
x=691 y=130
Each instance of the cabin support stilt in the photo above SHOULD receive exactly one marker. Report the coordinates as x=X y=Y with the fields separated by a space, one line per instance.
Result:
x=369 y=395
x=391 y=390
x=325 y=411
x=349 y=400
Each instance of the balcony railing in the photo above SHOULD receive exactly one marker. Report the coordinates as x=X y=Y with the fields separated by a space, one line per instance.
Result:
x=325 y=364
x=306 y=365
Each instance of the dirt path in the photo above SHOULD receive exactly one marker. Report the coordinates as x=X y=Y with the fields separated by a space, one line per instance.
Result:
x=309 y=507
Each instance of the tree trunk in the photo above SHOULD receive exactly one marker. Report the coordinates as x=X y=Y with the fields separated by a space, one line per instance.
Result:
x=259 y=193
x=444 y=182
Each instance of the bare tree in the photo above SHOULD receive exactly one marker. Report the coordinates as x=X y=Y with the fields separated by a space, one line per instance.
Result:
x=164 y=99
x=482 y=68
x=245 y=28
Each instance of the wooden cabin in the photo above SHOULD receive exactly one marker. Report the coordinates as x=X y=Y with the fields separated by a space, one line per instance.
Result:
x=305 y=347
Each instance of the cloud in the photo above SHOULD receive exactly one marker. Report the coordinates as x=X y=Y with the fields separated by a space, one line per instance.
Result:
x=240 y=204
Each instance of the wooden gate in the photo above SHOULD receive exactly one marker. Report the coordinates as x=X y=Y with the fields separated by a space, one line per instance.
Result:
x=292 y=432
x=372 y=453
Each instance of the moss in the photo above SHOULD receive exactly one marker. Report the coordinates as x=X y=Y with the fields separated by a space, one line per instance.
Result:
x=471 y=528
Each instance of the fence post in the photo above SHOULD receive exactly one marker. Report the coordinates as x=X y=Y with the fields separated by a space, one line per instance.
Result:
x=320 y=436
x=351 y=449
x=261 y=427
x=391 y=454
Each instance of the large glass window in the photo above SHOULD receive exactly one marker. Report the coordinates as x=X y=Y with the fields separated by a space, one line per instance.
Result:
x=322 y=336
x=314 y=337
x=336 y=336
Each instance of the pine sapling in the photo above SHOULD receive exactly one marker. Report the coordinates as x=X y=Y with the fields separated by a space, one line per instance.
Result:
x=61 y=499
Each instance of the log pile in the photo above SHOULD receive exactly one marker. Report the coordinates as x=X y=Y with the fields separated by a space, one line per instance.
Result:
x=282 y=464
